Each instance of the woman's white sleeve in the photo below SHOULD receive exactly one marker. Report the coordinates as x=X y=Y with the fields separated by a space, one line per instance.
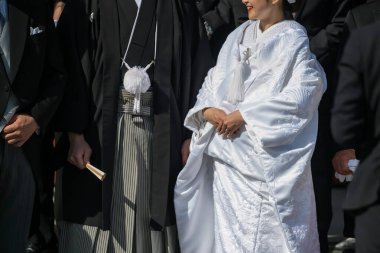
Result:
x=279 y=119
x=205 y=98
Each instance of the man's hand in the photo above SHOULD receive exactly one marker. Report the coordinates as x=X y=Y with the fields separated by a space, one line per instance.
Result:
x=79 y=152
x=185 y=151
x=19 y=129
x=231 y=124
x=214 y=115
x=340 y=161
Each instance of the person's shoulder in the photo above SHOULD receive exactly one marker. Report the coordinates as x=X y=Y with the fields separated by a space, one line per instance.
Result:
x=293 y=29
x=291 y=33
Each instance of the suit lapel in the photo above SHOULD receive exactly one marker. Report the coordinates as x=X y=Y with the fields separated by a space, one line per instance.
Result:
x=3 y=73
x=18 y=29
x=127 y=10
x=130 y=19
x=143 y=28
x=109 y=34
x=144 y=21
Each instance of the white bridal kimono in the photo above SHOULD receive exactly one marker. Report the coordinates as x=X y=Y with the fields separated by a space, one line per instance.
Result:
x=254 y=192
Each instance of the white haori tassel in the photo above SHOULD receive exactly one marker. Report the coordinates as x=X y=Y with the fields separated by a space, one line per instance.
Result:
x=136 y=81
x=235 y=93
x=236 y=88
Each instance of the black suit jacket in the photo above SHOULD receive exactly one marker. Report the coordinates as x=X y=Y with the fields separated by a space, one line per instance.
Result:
x=363 y=15
x=358 y=17
x=356 y=112
x=36 y=77
x=324 y=22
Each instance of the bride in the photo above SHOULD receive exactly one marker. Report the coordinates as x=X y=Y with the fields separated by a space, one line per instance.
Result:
x=247 y=183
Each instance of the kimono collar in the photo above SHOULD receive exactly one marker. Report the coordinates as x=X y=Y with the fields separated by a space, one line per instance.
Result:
x=273 y=31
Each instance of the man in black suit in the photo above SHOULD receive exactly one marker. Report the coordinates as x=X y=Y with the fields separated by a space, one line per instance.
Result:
x=359 y=16
x=324 y=22
x=31 y=84
x=44 y=238
x=355 y=124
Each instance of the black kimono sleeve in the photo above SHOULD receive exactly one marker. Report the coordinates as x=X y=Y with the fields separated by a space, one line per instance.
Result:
x=74 y=29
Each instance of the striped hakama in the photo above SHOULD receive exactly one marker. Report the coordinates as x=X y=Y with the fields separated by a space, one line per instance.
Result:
x=130 y=209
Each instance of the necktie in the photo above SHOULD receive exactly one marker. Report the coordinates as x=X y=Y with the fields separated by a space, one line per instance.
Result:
x=3 y=14
x=4 y=35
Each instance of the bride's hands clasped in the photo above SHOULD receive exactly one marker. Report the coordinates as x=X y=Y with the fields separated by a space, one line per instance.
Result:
x=231 y=124
x=214 y=116
x=226 y=124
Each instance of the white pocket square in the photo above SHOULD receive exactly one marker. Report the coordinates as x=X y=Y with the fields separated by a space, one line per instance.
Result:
x=352 y=165
x=36 y=30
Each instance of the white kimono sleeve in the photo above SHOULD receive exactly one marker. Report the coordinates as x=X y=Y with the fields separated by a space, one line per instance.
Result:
x=207 y=96
x=194 y=119
x=279 y=119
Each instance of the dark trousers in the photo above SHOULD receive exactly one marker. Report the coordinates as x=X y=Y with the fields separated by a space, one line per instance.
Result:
x=367 y=230
x=322 y=192
x=321 y=168
x=43 y=220
x=17 y=190
x=349 y=224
